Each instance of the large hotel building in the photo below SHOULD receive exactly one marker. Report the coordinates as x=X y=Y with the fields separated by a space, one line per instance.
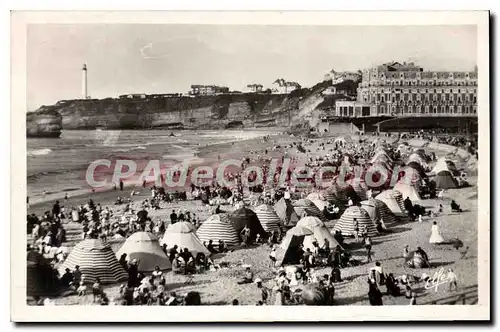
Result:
x=396 y=89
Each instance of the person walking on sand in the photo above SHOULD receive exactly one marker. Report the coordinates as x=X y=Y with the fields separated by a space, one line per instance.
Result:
x=368 y=246
x=436 y=237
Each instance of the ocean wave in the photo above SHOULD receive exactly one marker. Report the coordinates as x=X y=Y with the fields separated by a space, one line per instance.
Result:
x=39 y=152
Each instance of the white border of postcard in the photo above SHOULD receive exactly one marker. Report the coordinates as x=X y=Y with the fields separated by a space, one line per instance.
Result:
x=20 y=312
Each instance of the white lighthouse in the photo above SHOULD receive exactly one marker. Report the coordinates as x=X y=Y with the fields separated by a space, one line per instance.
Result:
x=84 y=82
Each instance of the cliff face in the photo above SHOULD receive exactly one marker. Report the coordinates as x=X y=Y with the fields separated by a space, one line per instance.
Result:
x=43 y=123
x=203 y=112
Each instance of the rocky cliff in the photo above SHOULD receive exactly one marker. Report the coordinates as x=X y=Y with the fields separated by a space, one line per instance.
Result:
x=45 y=122
x=182 y=112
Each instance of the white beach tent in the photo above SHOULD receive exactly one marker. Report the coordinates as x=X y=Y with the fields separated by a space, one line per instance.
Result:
x=183 y=234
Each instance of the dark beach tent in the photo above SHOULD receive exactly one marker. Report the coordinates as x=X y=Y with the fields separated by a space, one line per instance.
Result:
x=218 y=227
x=41 y=278
x=245 y=217
x=145 y=247
x=346 y=192
x=287 y=251
x=286 y=212
x=268 y=218
x=416 y=261
x=305 y=207
x=96 y=260
x=347 y=225
x=445 y=180
x=314 y=295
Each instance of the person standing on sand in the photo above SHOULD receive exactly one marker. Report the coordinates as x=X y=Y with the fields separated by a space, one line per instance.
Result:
x=368 y=246
x=452 y=279
x=436 y=237
x=121 y=185
x=356 y=229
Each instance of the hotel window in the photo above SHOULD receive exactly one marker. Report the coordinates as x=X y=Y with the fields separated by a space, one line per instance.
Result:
x=427 y=109
x=466 y=109
x=418 y=109
x=474 y=109
x=419 y=96
x=443 y=110
x=474 y=100
x=459 y=109
x=434 y=97
x=382 y=109
x=382 y=98
x=405 y=97
x=454 y=109
x=434 y=109
x=410 y=109
x=443 y=97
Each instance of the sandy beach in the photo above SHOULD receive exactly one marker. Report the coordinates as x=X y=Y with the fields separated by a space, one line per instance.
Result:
x=220 y=287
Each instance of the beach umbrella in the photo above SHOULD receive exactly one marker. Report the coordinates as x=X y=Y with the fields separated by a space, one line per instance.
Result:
x=145 y=248
x=96 y=260
x=218 y=227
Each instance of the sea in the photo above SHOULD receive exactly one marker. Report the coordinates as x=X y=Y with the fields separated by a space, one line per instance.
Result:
x=58 y=166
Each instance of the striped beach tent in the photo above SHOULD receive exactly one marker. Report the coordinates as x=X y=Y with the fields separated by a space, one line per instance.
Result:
x=347 y=225
x=330 y=195
x=390 y=198
x=408 y=190
x=218 y=227
x=183 y=234
x=145 y=247
x=386 y=214
x=268 y=218
x=370 y=207
x=445 y=180
x=305 y=207
x=288 y=249
x=96 y=260
x=286 y=212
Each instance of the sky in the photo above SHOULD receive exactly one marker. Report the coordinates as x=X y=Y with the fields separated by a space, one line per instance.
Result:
x=127 y=58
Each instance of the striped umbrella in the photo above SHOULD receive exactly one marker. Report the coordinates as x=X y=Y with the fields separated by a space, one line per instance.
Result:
x=218 y=227
x=305 y=207
x=145 y=247
x=347 y=225
x=390 y=198
x=96 y=260
x=268 y=218
x=286 y=212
